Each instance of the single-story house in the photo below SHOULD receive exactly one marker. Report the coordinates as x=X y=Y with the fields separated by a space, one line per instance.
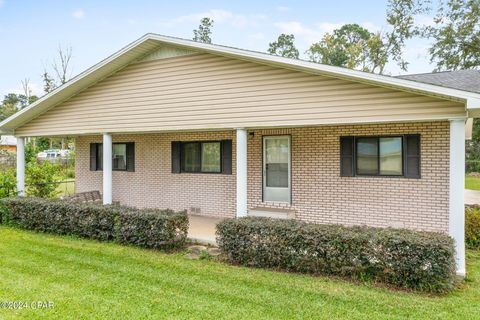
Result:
x=220 y=131
x=8 y=143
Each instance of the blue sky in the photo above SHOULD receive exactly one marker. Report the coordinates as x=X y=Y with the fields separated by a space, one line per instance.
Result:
x=31 y=31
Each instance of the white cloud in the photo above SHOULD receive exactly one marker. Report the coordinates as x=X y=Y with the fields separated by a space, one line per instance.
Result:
x=2 y=2
x=302 y=32
x=329 y=26
x=219 y=16
x=78 y=14
x=283 y=8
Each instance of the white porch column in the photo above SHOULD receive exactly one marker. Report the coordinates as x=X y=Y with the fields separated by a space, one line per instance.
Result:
x=107 y=168
x=21 y=166
x=241 y=173
x=457 y=186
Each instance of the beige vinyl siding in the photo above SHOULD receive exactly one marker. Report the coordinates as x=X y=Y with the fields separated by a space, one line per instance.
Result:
x=205 y=91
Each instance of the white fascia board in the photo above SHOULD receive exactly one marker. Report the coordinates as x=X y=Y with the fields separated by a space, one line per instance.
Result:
x=473 y=107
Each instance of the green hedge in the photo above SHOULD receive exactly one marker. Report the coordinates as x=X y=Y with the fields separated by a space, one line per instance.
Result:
x=153 y=228
x=472 y=227
x=407 y=259
x=161 y=229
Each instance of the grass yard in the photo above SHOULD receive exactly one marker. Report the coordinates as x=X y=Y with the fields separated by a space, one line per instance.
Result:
x=472 y=183
x=91 y=280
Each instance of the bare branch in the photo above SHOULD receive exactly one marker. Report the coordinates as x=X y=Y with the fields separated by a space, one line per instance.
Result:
x=26 y=88
x=62 y=66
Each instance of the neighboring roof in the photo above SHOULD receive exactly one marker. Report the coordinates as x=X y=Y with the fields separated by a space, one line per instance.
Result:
x=8 y=141
x=146 y=44
x=467 y=80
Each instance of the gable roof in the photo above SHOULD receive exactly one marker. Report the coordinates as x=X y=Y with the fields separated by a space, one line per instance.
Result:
x=146 y=44
x=466 y=80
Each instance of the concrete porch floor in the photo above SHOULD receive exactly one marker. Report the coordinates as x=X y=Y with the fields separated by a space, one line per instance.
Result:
x=202 y=229
x=472 y=197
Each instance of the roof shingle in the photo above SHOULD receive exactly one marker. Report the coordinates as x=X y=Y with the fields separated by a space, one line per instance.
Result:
x=468 y=80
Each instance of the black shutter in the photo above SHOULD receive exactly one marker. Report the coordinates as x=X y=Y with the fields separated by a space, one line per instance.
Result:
x=226 y=156
x=347 y=157
x=130 y=156
x=176 y=149
x=99 y=156
x=412 y=156
x=93 y=156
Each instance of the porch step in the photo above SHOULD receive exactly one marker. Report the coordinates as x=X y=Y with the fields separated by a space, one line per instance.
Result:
x=202 y=229
x=276 y=213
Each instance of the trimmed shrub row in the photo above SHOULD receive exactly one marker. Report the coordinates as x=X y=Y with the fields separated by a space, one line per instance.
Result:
x=149 y=228
x=403 y=258
x=472 y=227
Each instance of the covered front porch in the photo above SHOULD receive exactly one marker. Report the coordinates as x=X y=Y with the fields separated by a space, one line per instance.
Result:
x=152 y=174
x=306 y=181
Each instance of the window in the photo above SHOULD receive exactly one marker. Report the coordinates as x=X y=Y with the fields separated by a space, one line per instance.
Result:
x=367 y=156
x=211 y=158
x=391 y=151
x=201 y=157
x=123 y=156
x=380 y=156
x=119 y=156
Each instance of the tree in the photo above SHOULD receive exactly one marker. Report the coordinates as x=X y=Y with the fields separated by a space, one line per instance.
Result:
x=355 y=47
x=401 y=19
x=472 y=149
x=345 y=47
x=27 y=91
x=284 y=46
x=40 y=179
x=9 y=106
x=48 y=82
x=62 y=70
x=202 y=34
x=62 y=65
x=13 y=102
x=456 y=36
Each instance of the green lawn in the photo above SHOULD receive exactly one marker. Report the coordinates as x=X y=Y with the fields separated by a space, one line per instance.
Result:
x=92 y=280
x=472 y=183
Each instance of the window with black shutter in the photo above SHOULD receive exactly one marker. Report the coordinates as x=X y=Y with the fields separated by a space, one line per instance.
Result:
x=123 y=156
x=390 y=156
x=202 y=157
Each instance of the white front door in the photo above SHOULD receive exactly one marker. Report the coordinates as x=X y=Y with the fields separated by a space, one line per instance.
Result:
x=276 y=168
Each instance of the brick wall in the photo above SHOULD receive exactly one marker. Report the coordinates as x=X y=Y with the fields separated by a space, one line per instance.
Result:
x=319 y=194
x=152 y=184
